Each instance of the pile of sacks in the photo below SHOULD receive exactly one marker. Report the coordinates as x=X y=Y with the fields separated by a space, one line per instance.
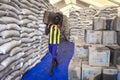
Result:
x=108 y=12
x=65 y=28
x=79 y=21
x=21 y=36
x=83 y=19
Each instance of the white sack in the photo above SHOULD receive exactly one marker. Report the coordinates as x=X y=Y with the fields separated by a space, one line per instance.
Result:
x=7 y=61
x=9 y=33
x=15 y=51
x=9 y=26
x=27 y=30
x=8 y=46
x=7 y=20
x=9 y=7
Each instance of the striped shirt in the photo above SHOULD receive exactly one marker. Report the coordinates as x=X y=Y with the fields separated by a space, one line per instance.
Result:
x=54 y=35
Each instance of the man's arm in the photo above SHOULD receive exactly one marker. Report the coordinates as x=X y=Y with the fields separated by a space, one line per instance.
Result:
x=47 y=29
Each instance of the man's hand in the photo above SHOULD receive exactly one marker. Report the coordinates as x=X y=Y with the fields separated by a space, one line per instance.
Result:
x=47 y=30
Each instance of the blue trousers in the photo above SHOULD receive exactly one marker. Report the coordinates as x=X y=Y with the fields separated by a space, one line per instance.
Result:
x=53 y=50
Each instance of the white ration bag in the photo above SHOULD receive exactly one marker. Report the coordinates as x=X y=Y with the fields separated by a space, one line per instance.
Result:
x=35 y=10
x=24 y=68
x=17 y=72
x=36 y=38
x=2 y=13
x=12 y=75
x=2 y=57
x=27 y=12
x=18 y=77
x=2 y=41
x=8 y=78
x=31 y=51
x=40 y=21
x=15 y=51
x=26 y=40
x=27 y=30
x=23 y=45
x=15 y=5
x=32 y=25
x=1 y=67
x=26 y=49
x=37 y=61
x=25 y=21
x=9 y=7
x=32 y=17
x=42 y=25
x=11 y=14
x=7 y=20
x=35 y=45
x=9 y=60
x=5 y=1
x=9 y=26
x=35 y=2
x=9 y=33
x=14 y=26
x=17 y=64
x=3 y=27
x=20 y=65
x=40 y=18
x=36 y=33
x=23 y=35
x=8 y=46
x=42 y=29
x=22 y=16
x=28 y=3
x=30 y=61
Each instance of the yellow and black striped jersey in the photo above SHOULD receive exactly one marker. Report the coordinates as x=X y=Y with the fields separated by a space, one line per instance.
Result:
x=54 y=35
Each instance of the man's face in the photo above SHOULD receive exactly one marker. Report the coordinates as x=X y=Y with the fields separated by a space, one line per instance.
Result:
x=57 y=19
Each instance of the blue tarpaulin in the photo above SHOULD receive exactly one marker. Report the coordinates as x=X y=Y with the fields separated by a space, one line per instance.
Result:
x=42 y=69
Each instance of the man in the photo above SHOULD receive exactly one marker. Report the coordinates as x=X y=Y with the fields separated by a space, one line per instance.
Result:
x=54 y=40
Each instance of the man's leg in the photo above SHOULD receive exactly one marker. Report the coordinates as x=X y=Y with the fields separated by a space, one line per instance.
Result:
x=54 y=51
x=54 y=60
x=52 y=68
x=50 y=48
x=55 y=54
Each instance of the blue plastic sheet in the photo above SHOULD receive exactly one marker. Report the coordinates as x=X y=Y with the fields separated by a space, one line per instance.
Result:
x=42 y=69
